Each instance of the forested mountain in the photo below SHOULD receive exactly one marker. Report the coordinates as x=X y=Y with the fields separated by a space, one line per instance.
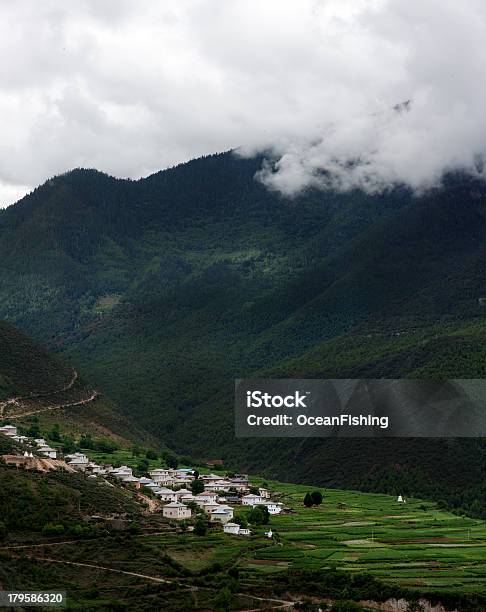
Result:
x=164 y=290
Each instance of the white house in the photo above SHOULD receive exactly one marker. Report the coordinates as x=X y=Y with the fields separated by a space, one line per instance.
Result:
x=272 y=507
x=22 y=439
x=166 y=477
x=244 y=532
x=144 y=481
x=218 y=485
x=223 y=515
x=210 y=477
x=126 y=477
x=165 y=481
x=208 y=508
x=8 y=430
x=206 y=497
x=181 y=480
x=176 y=511
x=96 y=469
x=122 y=472
x=240 y=484
x=181 y=492
x=131 y=480
x=251 y=500
x=231 y=528
x=78 y=461
x=264 y=494
x=47 y=451
x=165 y=494
x=188 y=497
x=159 y=472
x=40 y=441
x=156 y=489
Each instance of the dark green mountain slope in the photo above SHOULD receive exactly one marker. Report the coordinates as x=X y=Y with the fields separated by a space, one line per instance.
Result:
x=49 y=391
x=165 y=289
x=25 y=367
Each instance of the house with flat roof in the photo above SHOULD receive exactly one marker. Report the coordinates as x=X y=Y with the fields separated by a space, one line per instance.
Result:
x=222 y=515
x=176 y=511
x=78 y=461
x=206 y=497
x=165 y=494
x=208 y=508
x=272 y=507
x=47 y=451
x=231 y=528
x=8 y=430
x=145 y=481
x=251 y=500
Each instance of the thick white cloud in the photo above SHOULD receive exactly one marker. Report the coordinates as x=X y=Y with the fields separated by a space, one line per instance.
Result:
x=132 y=86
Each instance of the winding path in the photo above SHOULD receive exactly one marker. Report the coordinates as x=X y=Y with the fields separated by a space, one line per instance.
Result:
x=92 y=397
x=279 y=603
x=17 y=401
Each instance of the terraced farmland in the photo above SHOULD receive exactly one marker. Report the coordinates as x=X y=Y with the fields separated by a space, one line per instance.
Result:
x=413 y=544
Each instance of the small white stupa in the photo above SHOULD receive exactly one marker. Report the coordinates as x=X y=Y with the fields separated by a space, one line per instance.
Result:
x=400 y=499
x=269 y=533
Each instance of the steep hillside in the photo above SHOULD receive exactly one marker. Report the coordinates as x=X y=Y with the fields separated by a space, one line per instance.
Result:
x=36 y=385
x=25 y=367
x=164 y=290
x=30 y=500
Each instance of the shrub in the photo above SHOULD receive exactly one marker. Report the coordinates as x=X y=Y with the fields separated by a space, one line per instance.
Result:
x=197 y=486
x=241 y=521
x=200 y=527
x=171 y=461
x=53 y=529
x=134 y=528
x=106 y=446
x=259 y=515
x=80 y=531
x=222 y=601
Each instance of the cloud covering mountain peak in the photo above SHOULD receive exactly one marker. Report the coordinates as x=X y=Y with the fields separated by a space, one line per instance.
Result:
x=130 y=88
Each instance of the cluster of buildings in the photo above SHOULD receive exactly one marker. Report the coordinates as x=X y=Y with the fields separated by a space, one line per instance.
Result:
x=217 y=499
x=39 y=444
x=171 y=486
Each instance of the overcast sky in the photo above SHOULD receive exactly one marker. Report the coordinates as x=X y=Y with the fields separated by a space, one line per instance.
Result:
x=133 y=86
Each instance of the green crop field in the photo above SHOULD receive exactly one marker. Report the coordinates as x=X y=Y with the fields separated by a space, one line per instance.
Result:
x=412 y=544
